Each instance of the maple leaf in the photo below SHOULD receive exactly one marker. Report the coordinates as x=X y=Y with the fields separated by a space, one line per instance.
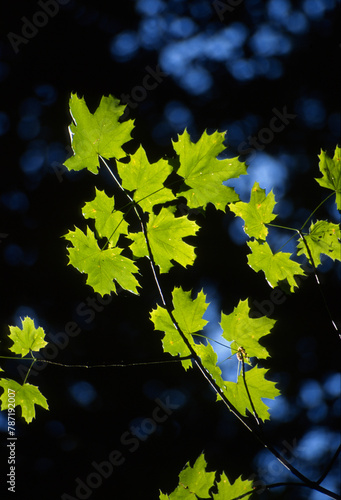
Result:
x=228 y=490
x=276 y=267
x=109 y=222
x=189 y=315
x=194 y=482
x=101 y=266
x=257 y=212
x=330 y=169
x=324 y=237
x=146 y=179
x=259 y=387
x=165 y=234
x=96 y=134
x=245 y=331
x=204 y=173
x=26 y=396
x=28 y=338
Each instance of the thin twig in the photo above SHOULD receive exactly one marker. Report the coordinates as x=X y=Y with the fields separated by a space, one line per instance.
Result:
x=330 y=465
x=318 y=282
x=248 y=393
x=204 y=371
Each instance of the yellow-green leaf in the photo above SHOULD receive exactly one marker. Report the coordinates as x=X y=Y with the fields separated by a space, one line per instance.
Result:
x=331 y=173
x=96 y=134
x=276 y=267
x=28 y=338
x=109 y=222
x=257 y=212
x=244 y=331
x=146 y=179
x=26 y=396
x=165 y=233
x=203 y=173
x=101 y=266
x=324 y=237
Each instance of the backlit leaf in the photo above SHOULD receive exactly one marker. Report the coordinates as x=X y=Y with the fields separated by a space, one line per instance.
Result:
x=26 y=396
x=146 y=179
x=165 y=234
x=96 y=134
x=330 y=169
x=109 y=222
x=324 y=237
x=194 y=482
x=28 y=338
x=259 y=387
x=101 y=266
x=229 y=491
x=276 y=267
x=257 y=212
x=245 y=331
x=203 y=173
x=188 y=313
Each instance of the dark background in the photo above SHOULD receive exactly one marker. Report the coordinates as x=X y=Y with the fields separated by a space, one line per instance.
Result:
x=227 y=71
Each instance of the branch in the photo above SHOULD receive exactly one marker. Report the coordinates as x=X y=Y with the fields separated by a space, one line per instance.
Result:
x=168 y=306
x=288 y=483
x=330 y=465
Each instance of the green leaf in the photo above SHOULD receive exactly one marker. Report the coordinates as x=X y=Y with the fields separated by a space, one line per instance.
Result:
x=324 y=237
x=146 y=179
x=257 y=212
x=109 y=222
x=259 y=387
x=231 y=491
x=28 y=338
x=209 y=360
x=330 y=169
x=203 y=173
x=26 y=396
x=165 y=234
x=96 y=134
x=188 y=313
x=101 y=266
x=246 y=331
x=194 y=482
x=276 y=267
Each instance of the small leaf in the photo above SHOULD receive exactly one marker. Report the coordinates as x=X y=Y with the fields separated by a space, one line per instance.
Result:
x=109 y=222
x=259 y=387
x=188 y=313
x=146 y=179
x=194 y=482
x=165 y=233
x=330 y=169
x=101 y=266
x=230 y=491
x=276 y=267
x=26 y=396
x=246 y=331
x=204 y=173
x=324 y=237
x=96 y=134
x=28 y=338
x=257 y=212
